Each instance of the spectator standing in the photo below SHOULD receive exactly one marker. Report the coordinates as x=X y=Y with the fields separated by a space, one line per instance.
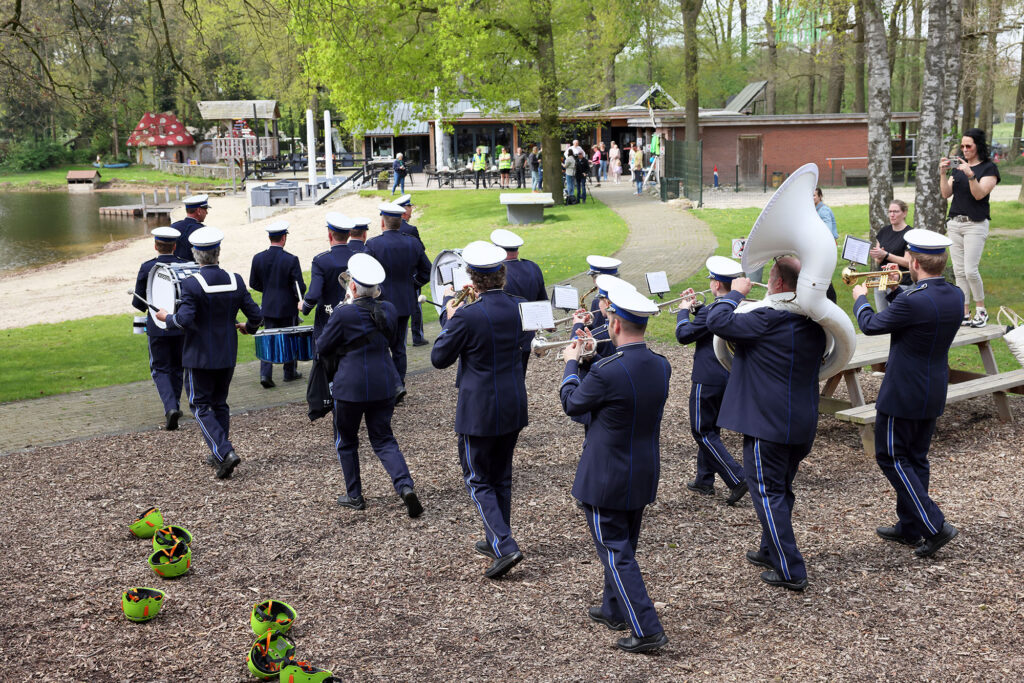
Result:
x=829 y=219
x=602 y=172
x=504 y=168
x=480 y=167
x=595 y=164
x=399 y=170
x=615 y=161
x=519 y=168
x=569 y=165
x=636 y=167
x=534 y=161
x=582 y=171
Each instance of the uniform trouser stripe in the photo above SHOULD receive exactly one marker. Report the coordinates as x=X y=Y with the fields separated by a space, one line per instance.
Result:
x=769 y=518
x=728 y=470
x=476 y=501
x=889 y=442
x=610 y=555
x=198 y=413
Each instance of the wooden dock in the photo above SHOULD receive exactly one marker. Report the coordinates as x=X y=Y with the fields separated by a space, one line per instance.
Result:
x=137 y=210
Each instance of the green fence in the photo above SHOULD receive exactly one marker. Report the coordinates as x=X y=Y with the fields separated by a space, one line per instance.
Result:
x=683 y=171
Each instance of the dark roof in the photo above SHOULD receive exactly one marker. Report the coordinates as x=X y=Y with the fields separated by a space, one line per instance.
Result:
x=742 y=101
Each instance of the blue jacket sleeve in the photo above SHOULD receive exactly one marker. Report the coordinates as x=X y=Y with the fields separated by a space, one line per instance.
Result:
x=723 y=320
x=897 y=316
x=422 y=274
x=251 y=310
x=186 y=313
x=255 y=274
x=333 y=334
x=687 y=330
x=450 y=342
x=581 y=396
x=140 y=288
x=316 y=283
x=295 y=272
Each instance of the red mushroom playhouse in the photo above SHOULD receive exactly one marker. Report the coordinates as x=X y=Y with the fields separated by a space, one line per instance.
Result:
x=161 y=137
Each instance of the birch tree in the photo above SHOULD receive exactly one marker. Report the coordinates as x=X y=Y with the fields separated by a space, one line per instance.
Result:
x=879 y=117
x=928 y=203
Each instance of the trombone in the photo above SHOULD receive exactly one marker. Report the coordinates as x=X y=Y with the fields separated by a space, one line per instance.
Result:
x=876 y=278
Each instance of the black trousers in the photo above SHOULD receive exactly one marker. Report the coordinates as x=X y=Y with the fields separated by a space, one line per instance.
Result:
x=520 y=175
x=481 y=175
x=417 y=323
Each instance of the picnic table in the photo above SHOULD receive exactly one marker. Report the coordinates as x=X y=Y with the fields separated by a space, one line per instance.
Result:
x=873 y=350
x=526 y=207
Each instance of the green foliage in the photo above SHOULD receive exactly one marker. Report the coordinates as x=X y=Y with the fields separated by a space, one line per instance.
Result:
x=34 y=156
x=57 y=177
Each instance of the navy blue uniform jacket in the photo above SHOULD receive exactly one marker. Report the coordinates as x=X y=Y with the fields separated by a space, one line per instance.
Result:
x=524 y=278
x=141 y=280
x=625 y=395
x=275 y=272
x=367 y=373
x=409 y=229
x=208 y=318
x=356 y=246
x=406 y=268
x=186 y=226
x=706 y=368
x=325 y=292
x=923 y=322
x=773 y=391
x=487 y=338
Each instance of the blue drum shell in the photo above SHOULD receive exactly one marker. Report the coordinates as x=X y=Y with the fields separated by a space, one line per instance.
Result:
x=302 y=344
x=275 y=348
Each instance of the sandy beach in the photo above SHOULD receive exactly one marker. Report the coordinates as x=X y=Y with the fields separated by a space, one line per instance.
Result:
x=98 y=284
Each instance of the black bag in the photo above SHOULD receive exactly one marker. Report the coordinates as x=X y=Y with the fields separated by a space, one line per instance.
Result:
x=571 y=199
x=318 y=390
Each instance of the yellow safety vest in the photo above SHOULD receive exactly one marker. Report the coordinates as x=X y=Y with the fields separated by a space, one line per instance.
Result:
x=505 y=161
x=479 y=162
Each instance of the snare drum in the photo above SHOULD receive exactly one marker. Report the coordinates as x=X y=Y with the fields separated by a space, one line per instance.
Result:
x=163 y=288
x=441 y=273
x=284 y=344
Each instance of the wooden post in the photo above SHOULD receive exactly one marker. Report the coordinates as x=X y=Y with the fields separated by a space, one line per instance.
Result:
x=156 y=199
x=167 y=195
x=186 y=189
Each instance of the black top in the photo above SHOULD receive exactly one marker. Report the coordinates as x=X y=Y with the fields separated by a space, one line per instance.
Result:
x=895 y=242
x=964 y=203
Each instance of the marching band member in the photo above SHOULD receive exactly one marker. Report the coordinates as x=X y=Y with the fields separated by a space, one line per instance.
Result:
x=923 y=320
x=600 y=265
x=325 y=290
x=416 y=321
x=210 y=300
x=523 y=278
x=617 y=476
x=165 y=345
x=486 y=337
x=357 y=235
x=277 y=274
x=196 y=208
x=407 y=269
x=359 y=334
x=772 y=399
x=708 y=381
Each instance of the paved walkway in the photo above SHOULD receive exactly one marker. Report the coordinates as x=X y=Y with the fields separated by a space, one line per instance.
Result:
x=661 y=237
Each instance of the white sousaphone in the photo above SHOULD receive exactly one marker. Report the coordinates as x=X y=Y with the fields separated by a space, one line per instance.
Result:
x=789 y=224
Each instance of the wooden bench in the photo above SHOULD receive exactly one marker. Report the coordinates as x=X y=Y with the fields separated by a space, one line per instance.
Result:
x=526 y=207
x=864 y=416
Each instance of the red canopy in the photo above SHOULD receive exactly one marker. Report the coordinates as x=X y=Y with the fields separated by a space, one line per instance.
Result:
x=160 y=130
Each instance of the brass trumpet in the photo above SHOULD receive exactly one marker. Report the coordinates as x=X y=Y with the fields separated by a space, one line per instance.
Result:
x=465 y=293
x=872 y=279
x=540 y=346
x=568 y=319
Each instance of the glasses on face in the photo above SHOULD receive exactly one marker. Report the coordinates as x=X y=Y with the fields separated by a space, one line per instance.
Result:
x=895 y=210
x=966 y=146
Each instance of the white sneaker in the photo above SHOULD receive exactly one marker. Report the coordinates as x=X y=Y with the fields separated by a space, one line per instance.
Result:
x=980 y=318
x=966 y=322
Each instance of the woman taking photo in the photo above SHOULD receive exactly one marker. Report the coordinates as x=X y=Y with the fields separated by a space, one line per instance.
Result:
x=891 y=247
x=972 y=179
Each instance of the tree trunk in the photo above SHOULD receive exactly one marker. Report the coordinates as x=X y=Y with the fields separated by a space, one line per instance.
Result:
x=879 y=117
x=812 y=53
x=929 y=207
x=859 y=97
x=773 y=58
x=954 y=61
x=914 y=54
x=609 y=82
x=893 y=36
x=117 y=144
x=743 y=29
x=836 y=74
x=548 y=95
x=691 y=11
x=1018 y=110
x=988 y=78
x=968 y=75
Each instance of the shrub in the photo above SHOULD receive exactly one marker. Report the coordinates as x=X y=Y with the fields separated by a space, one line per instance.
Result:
x=34 y=156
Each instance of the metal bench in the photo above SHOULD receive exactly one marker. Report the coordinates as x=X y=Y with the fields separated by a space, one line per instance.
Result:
x=526 y=207
x=997 y=385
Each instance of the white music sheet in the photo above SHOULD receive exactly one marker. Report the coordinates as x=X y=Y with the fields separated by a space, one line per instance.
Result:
x=566 y=297
x=536 y=315
x=460 y=277
x=446 y=273
x=657 y=283
x=856 y=250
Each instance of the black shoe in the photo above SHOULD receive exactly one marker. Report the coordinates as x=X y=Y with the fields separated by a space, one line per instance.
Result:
x=773 y=579
x=297 y=375
x=267 y=383
x=412 y=502
x=931 y=545
x=485 y=549
x=703 y=489
x=737 y=492
x=649 y=643
x=889 y=533
x=172 y=418
x=756 y=558
x=357 y=503
x=503 y=564
x=211 y=461
x=419 y=342
x=228 y=465
x=400 y=394
x=597 y=615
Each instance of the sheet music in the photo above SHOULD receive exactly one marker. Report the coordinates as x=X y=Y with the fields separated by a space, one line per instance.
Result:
x=460 y=277
x=566 y=297
x=856 y=250
x=536 y=315
x=446 y=273
x=657 y=283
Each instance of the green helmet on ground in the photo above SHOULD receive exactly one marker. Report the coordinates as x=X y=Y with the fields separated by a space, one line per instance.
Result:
x=167 y=536
x=171 y=562
x=147 y=523
x=272 y=615
x=269 y=654
x=304 y=672
x=141 y=604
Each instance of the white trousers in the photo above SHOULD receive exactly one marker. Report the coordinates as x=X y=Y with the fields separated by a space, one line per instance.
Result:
x=968 y=244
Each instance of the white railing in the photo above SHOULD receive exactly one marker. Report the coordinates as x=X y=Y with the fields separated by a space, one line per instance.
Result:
x=231 y=148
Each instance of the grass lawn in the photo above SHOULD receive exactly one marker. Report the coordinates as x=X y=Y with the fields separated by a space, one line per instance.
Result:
x=135 y=174
x=56 y=358
x=1000 y=268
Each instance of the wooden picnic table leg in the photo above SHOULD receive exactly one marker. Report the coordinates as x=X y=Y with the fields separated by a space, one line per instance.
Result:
x=867 y=439
x=831 y=384
x=853 y=387
x=988 y=359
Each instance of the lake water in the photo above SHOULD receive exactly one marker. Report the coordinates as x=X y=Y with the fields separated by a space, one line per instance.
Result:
x=45 y=227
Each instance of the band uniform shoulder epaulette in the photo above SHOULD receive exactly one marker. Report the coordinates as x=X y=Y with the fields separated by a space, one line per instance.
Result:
x=322 y=253
x=604 y=361
x=517 y=297
x=920 y=288
x=656 y=353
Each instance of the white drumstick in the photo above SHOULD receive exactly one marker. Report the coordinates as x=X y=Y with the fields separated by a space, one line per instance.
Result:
x=140 y=298
x=298 y=290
